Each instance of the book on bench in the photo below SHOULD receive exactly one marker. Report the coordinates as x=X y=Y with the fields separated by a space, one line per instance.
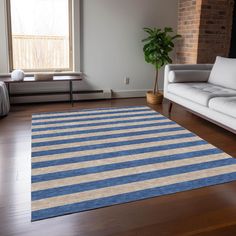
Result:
x=43 y=76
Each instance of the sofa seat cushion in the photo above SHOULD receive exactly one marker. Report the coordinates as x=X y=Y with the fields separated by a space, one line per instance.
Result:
x=200 y=93
x=225 y=105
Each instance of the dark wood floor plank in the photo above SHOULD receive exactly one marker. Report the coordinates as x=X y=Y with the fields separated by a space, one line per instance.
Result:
x=206 y=211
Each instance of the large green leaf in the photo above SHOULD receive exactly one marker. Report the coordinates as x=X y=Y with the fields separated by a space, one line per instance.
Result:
x=158 y=45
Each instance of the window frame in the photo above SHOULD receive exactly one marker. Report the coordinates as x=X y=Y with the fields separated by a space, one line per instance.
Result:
x=71 y=51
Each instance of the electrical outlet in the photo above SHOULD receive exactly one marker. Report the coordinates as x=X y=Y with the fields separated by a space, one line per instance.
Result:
x=127 y=80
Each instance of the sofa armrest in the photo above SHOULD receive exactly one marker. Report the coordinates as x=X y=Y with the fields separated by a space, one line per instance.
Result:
x=189 y=67
x=181 y=76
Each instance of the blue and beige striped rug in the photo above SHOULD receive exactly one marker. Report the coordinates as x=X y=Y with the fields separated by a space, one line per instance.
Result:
x=87 y=159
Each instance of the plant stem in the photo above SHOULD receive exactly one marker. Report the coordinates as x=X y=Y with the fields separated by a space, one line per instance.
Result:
x=155 y=89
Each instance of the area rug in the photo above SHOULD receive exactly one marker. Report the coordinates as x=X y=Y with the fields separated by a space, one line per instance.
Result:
x=88 y=159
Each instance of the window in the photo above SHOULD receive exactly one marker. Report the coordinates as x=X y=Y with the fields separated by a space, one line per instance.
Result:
x=40 y=37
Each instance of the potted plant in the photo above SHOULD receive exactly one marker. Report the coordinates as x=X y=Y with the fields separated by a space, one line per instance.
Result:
x=157 y=47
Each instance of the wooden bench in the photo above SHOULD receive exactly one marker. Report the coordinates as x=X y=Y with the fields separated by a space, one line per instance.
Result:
x=8 y=81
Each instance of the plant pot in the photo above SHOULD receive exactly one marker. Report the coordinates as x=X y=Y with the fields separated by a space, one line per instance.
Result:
x=154 y=98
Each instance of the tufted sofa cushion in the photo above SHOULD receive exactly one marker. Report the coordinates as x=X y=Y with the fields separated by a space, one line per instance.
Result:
x=200 y=93
x=224 y=73
x=225 y=105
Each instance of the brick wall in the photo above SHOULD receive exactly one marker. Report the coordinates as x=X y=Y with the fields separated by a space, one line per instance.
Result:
x=205 y=26
x=188 y=27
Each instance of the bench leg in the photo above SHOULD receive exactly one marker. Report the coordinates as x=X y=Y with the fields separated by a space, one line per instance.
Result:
x=9 y=91
x=170 y=105
x=71 y=93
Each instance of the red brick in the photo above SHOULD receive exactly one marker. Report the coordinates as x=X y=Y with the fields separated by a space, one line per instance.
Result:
x=205 y=26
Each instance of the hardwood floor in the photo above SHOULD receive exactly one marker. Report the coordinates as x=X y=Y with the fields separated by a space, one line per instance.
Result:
x=206 y=211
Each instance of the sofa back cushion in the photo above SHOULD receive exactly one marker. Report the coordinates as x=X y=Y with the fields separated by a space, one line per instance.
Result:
x=224 y=73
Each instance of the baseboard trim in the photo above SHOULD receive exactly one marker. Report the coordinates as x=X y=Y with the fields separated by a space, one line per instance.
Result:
x=129 y=93
x=80 y=96
x=88 y=95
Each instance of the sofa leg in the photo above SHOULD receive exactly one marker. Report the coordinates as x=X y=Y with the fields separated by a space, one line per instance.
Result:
x=170 y=107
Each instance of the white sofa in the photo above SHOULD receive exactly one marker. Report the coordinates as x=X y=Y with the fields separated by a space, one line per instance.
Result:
x=4 y=100
x=207 y=90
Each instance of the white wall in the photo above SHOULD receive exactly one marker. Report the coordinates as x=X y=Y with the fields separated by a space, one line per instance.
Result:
x=112 y=34
x=111 y=47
